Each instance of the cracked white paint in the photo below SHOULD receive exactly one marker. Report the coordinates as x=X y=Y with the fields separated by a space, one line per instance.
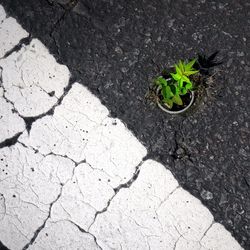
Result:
x=131 y=221
x=113 y=149
x=10 y=122
x=63 y=235
x=71 y=182
x=29 y=183
x=2 y=14
x=87 y=192
x=67 y=131
x=10 y=32
x=153 y=213
x=186 y=214
x=218 y=238
x=184 y=244
x=81 y=129
x=33 y=80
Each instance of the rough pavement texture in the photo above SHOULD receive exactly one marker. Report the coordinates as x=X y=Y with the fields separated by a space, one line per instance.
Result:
x=116 y=48
x=75 y=178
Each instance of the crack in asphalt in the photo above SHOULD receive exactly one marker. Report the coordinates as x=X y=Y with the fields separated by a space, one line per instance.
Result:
x=67 y=9
x=180 y=151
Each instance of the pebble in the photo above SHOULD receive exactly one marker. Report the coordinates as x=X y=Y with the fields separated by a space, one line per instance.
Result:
x=206 y=195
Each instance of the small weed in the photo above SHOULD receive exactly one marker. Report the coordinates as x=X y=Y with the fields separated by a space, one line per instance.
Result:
x=179 y=83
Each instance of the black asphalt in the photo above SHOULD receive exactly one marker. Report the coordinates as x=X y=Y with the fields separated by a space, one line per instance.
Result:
x=116 y=47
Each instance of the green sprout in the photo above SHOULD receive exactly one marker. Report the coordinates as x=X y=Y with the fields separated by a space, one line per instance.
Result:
x=179 y=84
x=183 y=71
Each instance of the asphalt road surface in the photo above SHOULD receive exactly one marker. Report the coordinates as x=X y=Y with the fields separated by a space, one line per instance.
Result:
x=87 y=161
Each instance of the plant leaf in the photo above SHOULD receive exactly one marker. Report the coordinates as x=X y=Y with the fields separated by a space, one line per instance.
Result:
x=178 y=70
x=191 y=72
x=176 y=77
x=180 y=83
x=166 y=92
x=183 y=91
x=188 y=86
x=163 y=81
x=169 y=102
x=189 y=66
x=181 y=66
x=177 y=99
x=173 y=89
x=186 y=79
x=160 y=81
x=177 y=88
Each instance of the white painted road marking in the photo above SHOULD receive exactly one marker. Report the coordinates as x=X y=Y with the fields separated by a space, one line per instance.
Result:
x=78 y=179
x=33 y=80
x=10 y=32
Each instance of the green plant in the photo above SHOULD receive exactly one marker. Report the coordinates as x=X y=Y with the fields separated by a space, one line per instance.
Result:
x=183 y=71
x=179 y=84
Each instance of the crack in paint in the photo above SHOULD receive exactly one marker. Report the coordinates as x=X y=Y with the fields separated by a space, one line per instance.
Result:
x=36 y=233
x=52 y=153
x=86 y=232
x=40 y=228
x=118 y=188
x=29 y=120
x=175 y=244
x=23 y=42
x=10 y=141
x=206 y=231
x=1 y=76
x=171 y=193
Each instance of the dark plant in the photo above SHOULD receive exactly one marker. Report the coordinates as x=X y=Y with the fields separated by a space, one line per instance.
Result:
x=204 y=63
